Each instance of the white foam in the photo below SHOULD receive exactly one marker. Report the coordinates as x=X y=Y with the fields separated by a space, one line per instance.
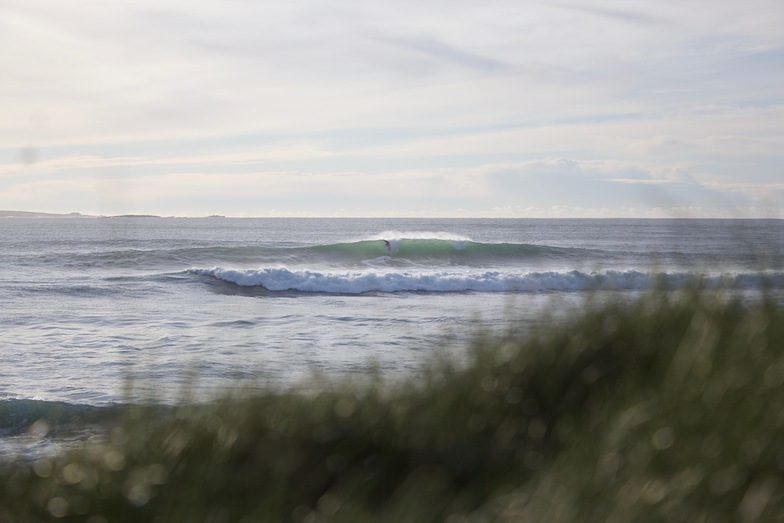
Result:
x=385 y=280
x=419 y=235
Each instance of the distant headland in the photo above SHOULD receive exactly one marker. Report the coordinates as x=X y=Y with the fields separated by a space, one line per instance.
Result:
x=31 y=214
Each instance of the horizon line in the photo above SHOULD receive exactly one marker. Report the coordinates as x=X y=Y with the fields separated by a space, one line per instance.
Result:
x=77 y=215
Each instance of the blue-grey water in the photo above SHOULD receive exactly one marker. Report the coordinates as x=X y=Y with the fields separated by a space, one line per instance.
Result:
x=98 y=311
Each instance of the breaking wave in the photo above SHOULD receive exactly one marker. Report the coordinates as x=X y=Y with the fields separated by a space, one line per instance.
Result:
x=282 y=279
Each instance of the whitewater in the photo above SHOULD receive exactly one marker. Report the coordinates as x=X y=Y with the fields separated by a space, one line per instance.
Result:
x=105 y=311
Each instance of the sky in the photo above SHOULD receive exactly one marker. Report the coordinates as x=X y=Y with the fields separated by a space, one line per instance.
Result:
x=442 y=108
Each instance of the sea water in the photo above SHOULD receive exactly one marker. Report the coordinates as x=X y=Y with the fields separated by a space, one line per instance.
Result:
x=101 y=311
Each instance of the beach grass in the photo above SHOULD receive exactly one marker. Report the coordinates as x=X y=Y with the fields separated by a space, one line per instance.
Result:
x=667 y=407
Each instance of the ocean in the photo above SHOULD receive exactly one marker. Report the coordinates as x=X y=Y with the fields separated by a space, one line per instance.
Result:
x=104 y=311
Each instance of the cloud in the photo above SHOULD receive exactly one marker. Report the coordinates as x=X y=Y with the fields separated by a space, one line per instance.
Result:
x=444 y=106
x=561 y=186
x=613 y=188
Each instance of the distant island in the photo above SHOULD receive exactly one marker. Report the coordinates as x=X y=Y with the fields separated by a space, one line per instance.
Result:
x=132 y=216
x=29 y=214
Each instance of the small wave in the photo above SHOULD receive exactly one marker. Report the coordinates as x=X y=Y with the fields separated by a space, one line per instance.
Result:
x=52 y=417
x=282 y=279
x=135 y=258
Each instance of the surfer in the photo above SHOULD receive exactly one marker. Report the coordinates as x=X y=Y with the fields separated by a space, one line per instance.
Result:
x=389 y=247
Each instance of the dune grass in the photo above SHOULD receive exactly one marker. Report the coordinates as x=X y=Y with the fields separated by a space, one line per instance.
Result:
x=665 y=408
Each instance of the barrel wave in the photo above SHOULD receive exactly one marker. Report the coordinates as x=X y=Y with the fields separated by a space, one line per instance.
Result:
x=437 y=263
x=429 y=262
x=432 y=251
x=441 y=250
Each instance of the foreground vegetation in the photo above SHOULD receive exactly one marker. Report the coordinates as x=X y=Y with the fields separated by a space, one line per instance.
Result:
x=669 y=408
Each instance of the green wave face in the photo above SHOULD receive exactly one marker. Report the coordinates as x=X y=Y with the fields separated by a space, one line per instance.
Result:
x=441 y=250
x=397 y=252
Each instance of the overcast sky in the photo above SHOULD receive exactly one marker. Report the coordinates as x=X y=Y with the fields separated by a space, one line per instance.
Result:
x=393 y=107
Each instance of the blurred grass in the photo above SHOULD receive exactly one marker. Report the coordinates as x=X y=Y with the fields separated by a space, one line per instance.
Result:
x=665 y=408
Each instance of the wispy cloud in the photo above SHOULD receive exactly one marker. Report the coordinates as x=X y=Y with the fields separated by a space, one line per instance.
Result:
x=348 y=103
